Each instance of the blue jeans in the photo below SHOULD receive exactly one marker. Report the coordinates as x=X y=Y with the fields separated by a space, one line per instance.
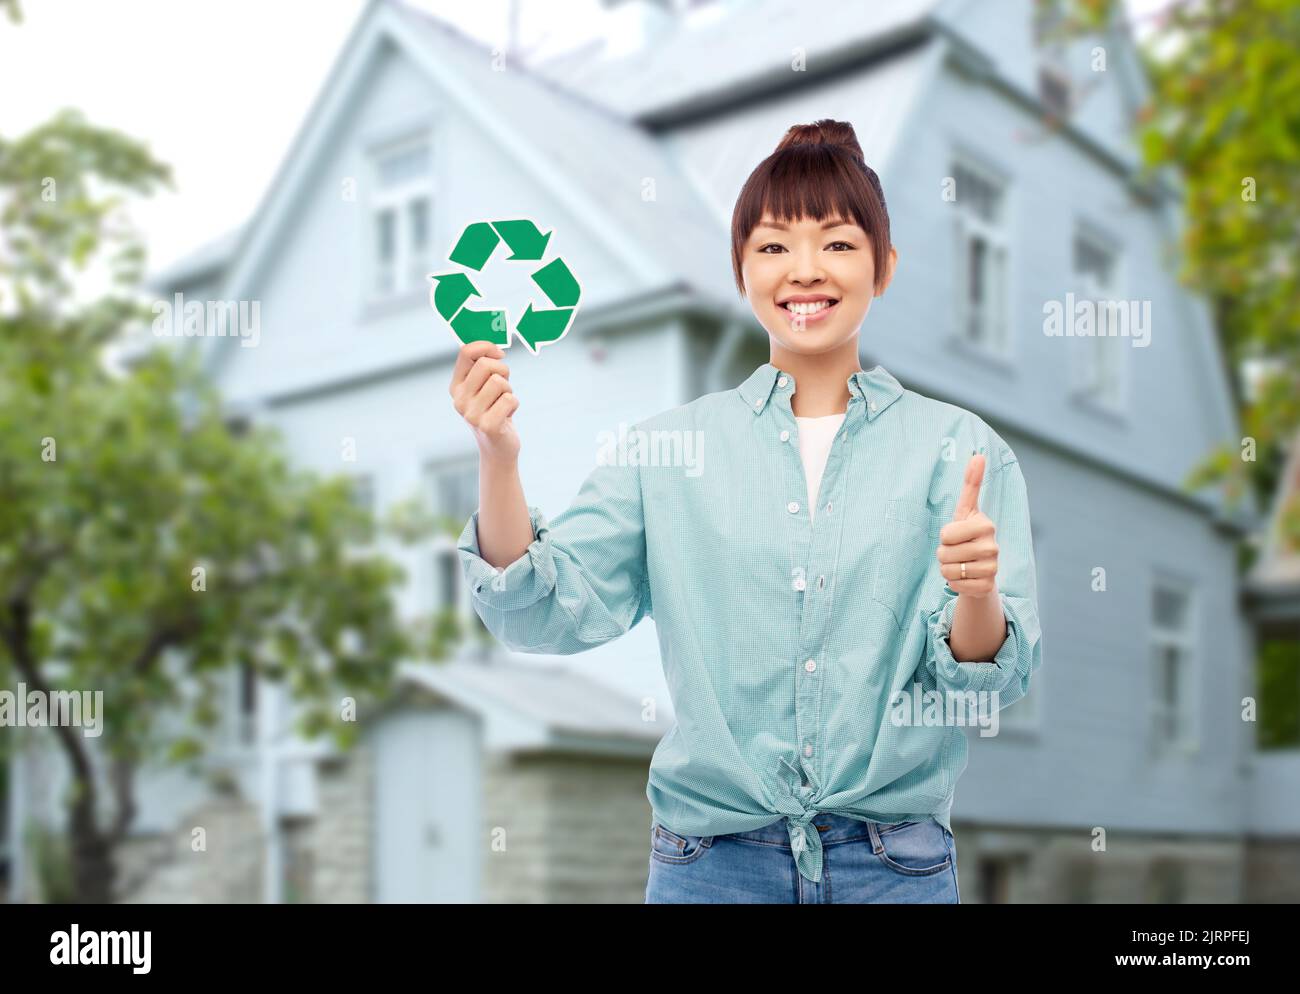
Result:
x=863 y=862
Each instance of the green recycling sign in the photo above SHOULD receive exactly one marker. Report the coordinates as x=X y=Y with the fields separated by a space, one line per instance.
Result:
x=452 y=293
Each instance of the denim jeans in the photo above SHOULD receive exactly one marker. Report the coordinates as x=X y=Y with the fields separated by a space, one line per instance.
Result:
x=863 y=862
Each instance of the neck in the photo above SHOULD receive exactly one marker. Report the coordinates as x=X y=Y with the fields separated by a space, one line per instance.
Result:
x=821 y=380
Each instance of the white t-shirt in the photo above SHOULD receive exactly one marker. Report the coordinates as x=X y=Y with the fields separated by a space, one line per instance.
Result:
x=815 y=438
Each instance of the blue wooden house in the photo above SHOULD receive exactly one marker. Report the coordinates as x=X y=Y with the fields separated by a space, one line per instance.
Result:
x=633 y=152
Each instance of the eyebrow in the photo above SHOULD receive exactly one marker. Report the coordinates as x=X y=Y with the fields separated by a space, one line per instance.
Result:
x=836 y=222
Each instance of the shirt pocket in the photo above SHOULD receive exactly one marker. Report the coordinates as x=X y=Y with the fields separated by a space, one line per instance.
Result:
x=906 y=550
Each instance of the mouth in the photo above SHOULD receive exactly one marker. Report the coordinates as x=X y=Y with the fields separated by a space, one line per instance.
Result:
x=803 y=313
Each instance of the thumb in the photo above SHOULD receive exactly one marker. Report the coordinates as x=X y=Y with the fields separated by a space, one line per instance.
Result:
x=969 y=501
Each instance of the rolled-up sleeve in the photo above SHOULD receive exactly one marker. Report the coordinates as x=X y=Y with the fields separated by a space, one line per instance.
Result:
x=1020 y=655
x=581 y=582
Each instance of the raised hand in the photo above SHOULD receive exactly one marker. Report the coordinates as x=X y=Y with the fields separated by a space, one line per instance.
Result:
x=481 y=393
x=968 y=550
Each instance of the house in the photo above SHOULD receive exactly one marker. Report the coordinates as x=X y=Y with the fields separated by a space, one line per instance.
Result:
x=633 y=157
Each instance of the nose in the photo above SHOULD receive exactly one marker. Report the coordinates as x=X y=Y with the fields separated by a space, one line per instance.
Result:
x=805 y=269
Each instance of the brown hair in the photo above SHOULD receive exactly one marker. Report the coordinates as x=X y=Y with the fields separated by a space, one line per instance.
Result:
x=817 y=171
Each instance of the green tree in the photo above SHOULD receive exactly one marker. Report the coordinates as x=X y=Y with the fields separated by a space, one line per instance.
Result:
x=146 y=544
x=1224 y=115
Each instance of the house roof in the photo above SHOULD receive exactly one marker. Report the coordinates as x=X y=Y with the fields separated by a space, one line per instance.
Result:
x=696 y=65
x=562 y=108
x=540 y=704
x=670 y=239
x=208 y=259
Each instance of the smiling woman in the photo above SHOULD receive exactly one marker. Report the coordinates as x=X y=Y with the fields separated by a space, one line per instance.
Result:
x=810 y=243
x=817 y=171
x=829 y=557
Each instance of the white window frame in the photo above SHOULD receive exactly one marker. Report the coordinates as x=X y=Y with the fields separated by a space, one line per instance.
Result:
x=409 y=269
x=996 y=235
x=1187 y=739
x=1092 y=358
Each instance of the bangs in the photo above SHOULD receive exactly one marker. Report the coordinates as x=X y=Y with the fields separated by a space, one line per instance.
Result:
x=817 y=181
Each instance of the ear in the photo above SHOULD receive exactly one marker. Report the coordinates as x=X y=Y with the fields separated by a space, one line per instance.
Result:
x=889 y=270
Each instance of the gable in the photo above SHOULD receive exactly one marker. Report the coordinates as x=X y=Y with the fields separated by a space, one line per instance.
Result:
x=1100 y=69
x=631 y=223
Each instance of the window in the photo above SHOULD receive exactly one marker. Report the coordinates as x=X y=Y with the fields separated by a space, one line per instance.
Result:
x=418 y=226
x=453 y=491
x=455 y=488
x=1100 y=358
x=1079 y=882
x=1055 y=88
x=386 y=251
x=1172 y=675
x=247 y=730
x=363 y=492
x=981 y=259
x=400 y=240
x=1000 y=877
x=1166 y=882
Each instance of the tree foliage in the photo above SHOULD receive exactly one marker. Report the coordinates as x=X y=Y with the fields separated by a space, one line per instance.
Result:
x=146 y=545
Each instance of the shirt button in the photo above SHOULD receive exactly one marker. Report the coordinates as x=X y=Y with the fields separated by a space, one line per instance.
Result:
x=793 y=507
x=807 y=749
x=828 y=505
x=781 y=382
x=799 y=583
x=810 y=665
x=872 y=405
x=758 y=403
x=785 y=436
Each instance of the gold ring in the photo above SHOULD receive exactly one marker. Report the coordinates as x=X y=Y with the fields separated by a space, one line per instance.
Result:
x=963 y=571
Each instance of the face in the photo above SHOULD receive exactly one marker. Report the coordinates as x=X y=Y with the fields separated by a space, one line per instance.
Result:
x=811 y=283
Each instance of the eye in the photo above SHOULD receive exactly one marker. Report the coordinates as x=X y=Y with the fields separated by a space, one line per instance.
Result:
x=771 y=245
x=845 y=244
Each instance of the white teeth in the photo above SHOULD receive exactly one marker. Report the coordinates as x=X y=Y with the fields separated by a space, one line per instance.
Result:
x=813 y=308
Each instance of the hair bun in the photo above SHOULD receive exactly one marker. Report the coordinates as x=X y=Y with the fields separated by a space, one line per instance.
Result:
x=824 y=132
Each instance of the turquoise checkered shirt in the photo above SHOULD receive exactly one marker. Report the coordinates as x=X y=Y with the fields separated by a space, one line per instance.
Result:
x=798 y=655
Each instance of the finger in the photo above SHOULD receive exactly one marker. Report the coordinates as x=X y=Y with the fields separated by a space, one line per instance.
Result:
x=468 y=355
x=968 y=502
x=499 y=413
x=479 y=374
x=976 y=526
x=965 y=552
x=979 y=569
x=487 y=395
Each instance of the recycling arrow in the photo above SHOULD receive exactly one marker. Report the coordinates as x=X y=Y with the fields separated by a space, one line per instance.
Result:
x=451 y=292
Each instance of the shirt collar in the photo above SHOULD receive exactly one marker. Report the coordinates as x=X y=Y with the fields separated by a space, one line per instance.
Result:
x=875 y=387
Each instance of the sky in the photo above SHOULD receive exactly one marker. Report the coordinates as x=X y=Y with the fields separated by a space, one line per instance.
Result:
x=220 y=88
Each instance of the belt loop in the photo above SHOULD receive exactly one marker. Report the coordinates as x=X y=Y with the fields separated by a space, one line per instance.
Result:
x=876 y=846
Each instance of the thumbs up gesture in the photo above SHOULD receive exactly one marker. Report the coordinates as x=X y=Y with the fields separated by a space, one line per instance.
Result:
x=968 y=550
